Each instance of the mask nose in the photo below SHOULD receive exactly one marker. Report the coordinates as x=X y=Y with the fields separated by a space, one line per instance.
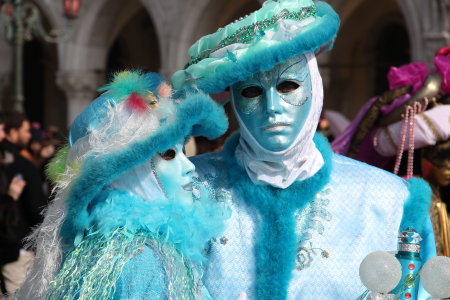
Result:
x=272 y=102
x=188 y=167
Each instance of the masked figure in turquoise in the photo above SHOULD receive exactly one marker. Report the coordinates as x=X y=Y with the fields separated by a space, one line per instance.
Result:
x=129 y=219
x=303 y=218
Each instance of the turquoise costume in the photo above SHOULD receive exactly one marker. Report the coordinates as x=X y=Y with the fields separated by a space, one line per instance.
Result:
x=114 y=231
x=302 y=218
x=346 y=211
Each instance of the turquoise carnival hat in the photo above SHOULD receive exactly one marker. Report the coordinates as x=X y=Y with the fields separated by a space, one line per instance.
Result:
x=134 y=119
x=276 y=32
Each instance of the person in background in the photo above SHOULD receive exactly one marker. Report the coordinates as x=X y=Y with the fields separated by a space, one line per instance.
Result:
x=413 y=115
x=31 y=201
x=33 y=148
x=9 y=194
x=332 y=123
x=41 y=148
x=435 y=165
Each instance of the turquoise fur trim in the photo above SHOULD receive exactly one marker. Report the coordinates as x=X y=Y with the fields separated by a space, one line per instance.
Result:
x=276 y=241
x=416 y=208
x=197 y=114
x=188 y=226
x=321 y=34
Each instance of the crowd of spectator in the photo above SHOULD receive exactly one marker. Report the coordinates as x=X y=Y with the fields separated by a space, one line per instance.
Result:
x=24 y=150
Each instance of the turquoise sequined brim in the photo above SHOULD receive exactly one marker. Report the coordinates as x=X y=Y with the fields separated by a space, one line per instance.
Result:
x=214 y=75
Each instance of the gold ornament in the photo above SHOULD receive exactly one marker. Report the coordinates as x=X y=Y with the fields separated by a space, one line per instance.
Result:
x=152 y=100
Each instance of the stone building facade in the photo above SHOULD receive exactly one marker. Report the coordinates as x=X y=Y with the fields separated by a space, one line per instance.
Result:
x=156 y=34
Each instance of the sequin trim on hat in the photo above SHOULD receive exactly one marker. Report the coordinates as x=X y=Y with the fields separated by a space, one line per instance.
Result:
x=246 y=34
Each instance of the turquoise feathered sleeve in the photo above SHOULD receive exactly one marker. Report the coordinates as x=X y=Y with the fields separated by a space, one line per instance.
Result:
x=142 y=277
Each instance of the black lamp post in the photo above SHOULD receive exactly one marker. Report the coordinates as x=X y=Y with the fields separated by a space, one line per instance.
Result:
x=21 y=21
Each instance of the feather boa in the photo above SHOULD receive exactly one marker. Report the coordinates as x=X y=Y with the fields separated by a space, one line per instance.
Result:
x=188 y=226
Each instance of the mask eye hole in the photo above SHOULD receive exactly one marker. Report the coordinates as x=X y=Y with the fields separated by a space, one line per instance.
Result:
x=168 y=155
x=287 y=86
x=251 y=91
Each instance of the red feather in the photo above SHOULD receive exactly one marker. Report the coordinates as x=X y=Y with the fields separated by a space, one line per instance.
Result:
x=136 y=103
